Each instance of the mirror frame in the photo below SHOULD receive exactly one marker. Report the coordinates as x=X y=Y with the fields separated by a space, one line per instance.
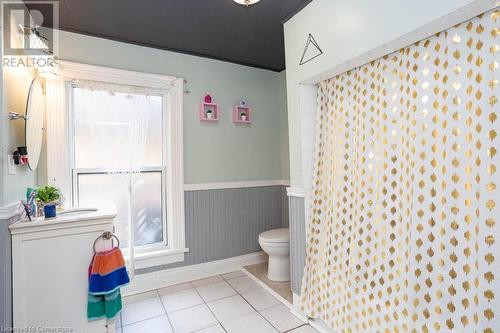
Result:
x=28 y=118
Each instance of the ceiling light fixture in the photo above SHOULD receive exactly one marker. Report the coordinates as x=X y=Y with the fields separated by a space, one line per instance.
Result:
x=246 y=2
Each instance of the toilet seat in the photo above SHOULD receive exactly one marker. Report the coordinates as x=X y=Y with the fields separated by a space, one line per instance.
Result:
x=275 y=236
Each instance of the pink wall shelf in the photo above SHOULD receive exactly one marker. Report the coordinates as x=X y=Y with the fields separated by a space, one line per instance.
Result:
x=209 y=111
x=242 y=113
x=205 y=109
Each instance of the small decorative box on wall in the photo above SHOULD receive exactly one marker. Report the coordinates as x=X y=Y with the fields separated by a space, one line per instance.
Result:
x=242 y=113
x=209 y=111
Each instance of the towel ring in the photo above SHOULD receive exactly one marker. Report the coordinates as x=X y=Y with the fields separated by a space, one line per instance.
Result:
x=107 y=235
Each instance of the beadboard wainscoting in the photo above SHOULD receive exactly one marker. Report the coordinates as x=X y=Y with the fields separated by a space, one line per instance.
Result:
x=226 y=222
x=297 y=237
x=6 y=272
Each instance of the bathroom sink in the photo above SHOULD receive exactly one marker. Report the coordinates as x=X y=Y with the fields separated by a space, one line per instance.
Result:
x=77 y=211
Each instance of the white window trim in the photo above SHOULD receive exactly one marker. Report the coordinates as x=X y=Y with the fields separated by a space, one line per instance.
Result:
x=154 y=255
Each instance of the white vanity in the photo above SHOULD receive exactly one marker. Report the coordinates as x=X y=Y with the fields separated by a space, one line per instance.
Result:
x=50 y=262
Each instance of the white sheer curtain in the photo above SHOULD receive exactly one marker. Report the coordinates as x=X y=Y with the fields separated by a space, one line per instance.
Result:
x=117 y=119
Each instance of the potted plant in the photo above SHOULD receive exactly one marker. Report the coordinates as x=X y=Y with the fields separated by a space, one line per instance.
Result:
x=209 y=114
x=49 y=197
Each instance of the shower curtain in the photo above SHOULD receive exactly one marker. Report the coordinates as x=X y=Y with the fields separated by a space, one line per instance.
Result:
x=404 y=224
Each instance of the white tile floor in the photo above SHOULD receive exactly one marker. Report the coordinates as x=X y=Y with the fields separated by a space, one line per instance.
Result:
x=219 y=304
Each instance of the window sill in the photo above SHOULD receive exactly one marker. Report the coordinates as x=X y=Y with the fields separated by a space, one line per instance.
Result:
x=146 y=258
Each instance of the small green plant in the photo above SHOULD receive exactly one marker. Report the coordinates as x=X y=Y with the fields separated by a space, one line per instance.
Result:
x=48 y=194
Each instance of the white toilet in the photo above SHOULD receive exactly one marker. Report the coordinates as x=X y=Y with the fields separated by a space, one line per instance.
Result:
x=276 y=243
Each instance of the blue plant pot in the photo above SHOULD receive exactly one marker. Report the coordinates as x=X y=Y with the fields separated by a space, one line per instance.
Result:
x=49 y=211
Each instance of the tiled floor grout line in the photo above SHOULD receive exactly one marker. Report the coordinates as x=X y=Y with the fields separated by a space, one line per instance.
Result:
x=140 y=321
x=121 y=323
x=241 y=295
x=204 y=302
x=291 y=330
x=166 y=312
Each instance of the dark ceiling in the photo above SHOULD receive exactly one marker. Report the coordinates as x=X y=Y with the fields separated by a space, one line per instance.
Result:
x=219 y=29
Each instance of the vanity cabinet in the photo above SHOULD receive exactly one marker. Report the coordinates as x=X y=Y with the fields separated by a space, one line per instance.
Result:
x=50 y=261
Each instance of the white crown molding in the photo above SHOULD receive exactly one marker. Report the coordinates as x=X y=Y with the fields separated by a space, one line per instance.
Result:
x=295 y=192
x=227 y=185
x=164 y=278
x=9 y=211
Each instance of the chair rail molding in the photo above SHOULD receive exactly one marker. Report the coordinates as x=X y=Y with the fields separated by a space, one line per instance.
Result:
x=9 y=211
x=295 y=192
x=238 y=184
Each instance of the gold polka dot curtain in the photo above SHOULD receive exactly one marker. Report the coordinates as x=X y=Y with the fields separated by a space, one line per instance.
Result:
x=403 y=235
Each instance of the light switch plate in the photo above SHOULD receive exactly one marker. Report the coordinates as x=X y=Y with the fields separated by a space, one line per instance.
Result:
x=12 y=165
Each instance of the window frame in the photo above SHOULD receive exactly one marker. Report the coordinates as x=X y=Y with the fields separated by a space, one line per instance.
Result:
x=100 y=171
x=173 y=248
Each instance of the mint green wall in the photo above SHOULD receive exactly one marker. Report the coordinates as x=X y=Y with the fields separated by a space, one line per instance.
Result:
x=213 y=152
x=285 y=155
x=16 y=82
x=2 y=133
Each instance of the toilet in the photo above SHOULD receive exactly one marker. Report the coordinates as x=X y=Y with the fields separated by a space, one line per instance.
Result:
x=276 y=243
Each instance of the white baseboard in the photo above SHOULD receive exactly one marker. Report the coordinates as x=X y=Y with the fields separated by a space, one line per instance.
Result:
x=155 y=280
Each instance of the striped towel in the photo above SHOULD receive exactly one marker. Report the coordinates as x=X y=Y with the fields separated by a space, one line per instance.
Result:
x=107 y=273
x=104 y=306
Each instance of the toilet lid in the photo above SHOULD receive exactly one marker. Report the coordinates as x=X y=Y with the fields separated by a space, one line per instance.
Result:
x=276 y=235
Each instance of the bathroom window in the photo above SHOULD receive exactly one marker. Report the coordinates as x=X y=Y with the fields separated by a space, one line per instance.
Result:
x=123 y=136
x=104 y=143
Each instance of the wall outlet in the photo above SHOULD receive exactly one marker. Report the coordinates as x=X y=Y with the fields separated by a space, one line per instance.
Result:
x=12 y=165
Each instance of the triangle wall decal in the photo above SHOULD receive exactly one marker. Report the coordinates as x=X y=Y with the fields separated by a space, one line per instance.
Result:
x=311 y=50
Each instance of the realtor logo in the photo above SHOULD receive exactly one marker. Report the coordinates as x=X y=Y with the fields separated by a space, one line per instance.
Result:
x=23 y=35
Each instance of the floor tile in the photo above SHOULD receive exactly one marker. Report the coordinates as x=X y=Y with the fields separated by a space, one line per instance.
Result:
x=157 y=324
x=175 y=288
x=212 y=292
x=181 y=300
x=249 y=324
x=142 y=310
x=233 y=275
x=213 y=329
x=192 y=319
x=260 y=299
x=243 y=284
x=304 y=329
x=139 y=297
x=230 y=308
x=210 y=280
x=281 y=318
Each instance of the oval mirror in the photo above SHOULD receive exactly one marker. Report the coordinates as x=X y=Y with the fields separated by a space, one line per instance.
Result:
x=35 y=116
